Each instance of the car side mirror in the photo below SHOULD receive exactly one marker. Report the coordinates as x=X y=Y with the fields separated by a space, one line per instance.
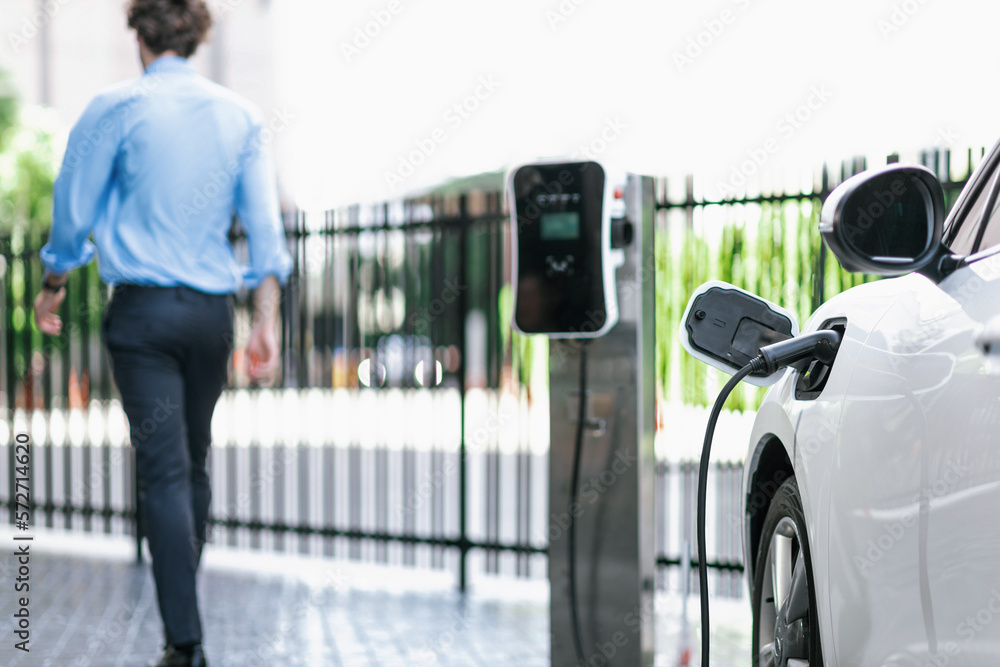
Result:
x=725 y=327
x=888 y=222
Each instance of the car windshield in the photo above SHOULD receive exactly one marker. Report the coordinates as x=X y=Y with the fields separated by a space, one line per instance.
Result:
x=975 y=231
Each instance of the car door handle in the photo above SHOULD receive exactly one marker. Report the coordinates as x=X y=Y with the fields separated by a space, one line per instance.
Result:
x=988 y=338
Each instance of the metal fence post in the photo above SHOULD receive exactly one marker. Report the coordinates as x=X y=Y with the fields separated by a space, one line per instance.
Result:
x=137 y=504
x=463 y=518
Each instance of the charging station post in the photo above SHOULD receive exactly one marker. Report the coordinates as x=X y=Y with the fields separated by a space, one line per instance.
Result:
x=613 y=513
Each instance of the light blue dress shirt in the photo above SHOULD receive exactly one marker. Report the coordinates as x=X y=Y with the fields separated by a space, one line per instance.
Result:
x=154 y=171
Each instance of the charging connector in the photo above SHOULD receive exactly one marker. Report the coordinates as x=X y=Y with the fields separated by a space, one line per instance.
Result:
x=821 y=345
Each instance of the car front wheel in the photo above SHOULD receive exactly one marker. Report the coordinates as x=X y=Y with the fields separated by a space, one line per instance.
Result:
x=785 y=624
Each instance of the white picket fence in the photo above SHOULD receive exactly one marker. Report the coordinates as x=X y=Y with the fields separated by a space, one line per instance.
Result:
x=376 y=462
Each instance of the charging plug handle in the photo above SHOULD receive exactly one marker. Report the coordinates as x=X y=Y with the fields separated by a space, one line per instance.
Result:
x=821 y=345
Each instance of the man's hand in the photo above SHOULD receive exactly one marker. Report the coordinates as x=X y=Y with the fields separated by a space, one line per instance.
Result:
x=262 y=353
x=46 y=306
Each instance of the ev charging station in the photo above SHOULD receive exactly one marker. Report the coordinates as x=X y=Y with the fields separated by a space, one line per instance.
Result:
x=583 y=274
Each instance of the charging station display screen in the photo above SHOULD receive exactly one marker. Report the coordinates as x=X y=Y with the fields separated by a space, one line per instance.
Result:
x=564 y=226
x=559 y=214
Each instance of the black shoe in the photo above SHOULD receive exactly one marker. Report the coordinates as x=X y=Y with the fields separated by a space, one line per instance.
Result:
x=175 y=657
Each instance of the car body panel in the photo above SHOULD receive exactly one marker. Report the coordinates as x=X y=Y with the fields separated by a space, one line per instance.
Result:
x=917 y=483
x=898 y=462
x=813 y=453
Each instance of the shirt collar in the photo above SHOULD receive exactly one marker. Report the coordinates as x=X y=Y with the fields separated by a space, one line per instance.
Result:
x=169 y=64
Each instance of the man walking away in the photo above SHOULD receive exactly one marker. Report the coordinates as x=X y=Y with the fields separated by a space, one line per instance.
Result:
x=154 y=171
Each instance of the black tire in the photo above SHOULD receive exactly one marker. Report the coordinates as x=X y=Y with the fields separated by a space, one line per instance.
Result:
x=784 y=541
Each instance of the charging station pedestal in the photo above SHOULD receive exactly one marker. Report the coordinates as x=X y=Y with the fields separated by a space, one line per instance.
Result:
x=615 y=560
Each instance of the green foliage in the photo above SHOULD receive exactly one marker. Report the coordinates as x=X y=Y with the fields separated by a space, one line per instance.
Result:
x=28 y=167
x=770 y=249
x=28 y=163
x=526 y=352
x=490 y=181
x=8 y=106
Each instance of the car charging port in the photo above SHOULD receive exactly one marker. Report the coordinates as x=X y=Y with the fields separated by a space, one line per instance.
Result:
x=814 y=374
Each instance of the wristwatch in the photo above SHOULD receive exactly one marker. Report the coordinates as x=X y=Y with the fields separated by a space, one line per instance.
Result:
x=49 y=287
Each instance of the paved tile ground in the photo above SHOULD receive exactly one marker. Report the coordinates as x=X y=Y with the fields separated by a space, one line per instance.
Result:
x=92 y=605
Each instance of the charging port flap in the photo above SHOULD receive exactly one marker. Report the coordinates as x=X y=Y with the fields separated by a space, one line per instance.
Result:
x=726 y=326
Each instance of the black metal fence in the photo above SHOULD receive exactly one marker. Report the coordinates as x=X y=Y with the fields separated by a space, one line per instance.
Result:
x=409 y=425
x=767 y=242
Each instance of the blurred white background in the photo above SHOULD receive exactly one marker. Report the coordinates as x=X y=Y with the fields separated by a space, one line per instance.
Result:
x=370 y=87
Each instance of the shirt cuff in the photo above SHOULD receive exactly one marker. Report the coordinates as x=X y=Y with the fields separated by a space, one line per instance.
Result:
x=54 y=263
x=280 y=269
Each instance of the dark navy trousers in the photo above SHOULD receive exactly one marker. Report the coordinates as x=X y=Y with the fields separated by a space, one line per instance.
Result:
x=169 y=349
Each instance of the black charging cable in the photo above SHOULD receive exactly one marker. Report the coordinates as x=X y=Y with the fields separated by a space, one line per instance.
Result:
x=821 y=345
x=573 y=490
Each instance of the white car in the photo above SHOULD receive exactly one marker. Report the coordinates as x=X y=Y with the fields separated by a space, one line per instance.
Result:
x=872 y=485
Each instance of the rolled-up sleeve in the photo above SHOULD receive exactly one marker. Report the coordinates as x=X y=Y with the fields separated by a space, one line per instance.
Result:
x=259 y=212
x=82 y=187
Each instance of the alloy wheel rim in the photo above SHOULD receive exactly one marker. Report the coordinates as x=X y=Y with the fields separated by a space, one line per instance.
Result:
x=783 y=613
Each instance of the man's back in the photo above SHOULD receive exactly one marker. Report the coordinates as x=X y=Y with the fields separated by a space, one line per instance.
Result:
x=158 y=166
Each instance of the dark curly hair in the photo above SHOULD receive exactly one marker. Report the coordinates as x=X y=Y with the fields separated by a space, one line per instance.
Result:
x=170 y=25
